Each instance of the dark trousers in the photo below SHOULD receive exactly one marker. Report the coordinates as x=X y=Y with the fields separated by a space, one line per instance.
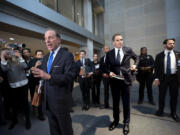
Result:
x=7 y=100
x=118 y=87
x=32 y=86
x=1 y=109
x=20 y=97
x=170 y=82
x=106 y=91
x=85 y=89
x=96 y=90
x=59 y=123
x=145 y=79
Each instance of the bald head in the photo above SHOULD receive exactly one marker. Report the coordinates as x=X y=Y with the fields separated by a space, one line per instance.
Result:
x=106 y=49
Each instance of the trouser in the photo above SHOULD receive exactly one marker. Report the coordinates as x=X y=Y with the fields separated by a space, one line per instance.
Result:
x=85 y=89
x=106 y=91
x=96 y=90
x=170 y=82
x=118 y=87
x=146 y=79
x=20 y=97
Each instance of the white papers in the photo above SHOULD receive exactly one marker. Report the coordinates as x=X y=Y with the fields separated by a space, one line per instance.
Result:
x=119 y=77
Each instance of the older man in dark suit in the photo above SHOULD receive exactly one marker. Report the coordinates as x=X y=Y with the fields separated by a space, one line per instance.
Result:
x=57 y=74
x=118 y=67
x=167 y=72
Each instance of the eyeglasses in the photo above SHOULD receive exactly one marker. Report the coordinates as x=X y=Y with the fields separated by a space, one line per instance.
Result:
x=49 y=38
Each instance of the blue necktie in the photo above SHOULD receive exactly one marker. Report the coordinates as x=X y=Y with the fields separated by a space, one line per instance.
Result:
x=50 y=61
x=118 y=57
x=168 y=68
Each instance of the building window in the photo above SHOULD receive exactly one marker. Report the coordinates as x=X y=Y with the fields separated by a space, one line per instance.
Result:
x=79 y=12
x=50 y=3
x=72 y=9
x=66 y=8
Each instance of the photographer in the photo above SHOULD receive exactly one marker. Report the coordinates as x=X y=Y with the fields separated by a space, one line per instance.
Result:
x=14 y=65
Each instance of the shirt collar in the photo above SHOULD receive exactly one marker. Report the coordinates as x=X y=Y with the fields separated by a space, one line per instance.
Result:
x=116 y=49
x=166 y=51
x=56 y=51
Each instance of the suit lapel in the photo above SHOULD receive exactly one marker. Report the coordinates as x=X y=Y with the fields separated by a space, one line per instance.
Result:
x=57 y=58
x=113 y=55
x=125 y=53
x=163 y=56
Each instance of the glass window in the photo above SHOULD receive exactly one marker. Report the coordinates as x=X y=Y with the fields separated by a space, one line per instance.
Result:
x=50 y=3
x=79 y=12
x=66 y=8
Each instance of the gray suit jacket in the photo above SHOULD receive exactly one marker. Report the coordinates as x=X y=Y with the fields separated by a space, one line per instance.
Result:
x=57 y=94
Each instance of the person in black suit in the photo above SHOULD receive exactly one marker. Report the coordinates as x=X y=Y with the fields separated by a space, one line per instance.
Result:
x=105 y=78
x=167 y=72
x=56 y=71
x=85 y=71
x=118 y=67
x=96 y=81
x=145 y=75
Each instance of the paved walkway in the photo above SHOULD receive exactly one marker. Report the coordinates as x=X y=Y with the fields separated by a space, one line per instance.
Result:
x=96 y=121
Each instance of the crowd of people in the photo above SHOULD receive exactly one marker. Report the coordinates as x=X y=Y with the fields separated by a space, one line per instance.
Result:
x=20 y=73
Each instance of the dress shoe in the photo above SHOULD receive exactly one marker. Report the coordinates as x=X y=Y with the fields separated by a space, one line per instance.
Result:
x=113 y=125
x=152 y=103
x=28 y=124
x=41 y=117
x=140 y=102
x=12 y=125
x=159 y=113
x=126 y=129
x=175 y=117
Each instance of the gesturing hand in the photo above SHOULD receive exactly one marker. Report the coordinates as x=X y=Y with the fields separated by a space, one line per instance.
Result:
x=40 y=73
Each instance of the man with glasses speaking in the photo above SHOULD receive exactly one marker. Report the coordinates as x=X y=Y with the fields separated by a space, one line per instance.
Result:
x=57 y=73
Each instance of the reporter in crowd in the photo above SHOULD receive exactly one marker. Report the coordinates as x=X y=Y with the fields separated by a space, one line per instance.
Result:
x=14 y=66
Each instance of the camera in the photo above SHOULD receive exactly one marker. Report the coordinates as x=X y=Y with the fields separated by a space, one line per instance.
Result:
x=17 y=46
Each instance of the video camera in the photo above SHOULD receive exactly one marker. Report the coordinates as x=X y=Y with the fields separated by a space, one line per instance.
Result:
x=17 y=46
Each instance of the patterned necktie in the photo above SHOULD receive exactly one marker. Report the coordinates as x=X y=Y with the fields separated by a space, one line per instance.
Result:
x=118 y=57
x=168 y=67
x=50 y=61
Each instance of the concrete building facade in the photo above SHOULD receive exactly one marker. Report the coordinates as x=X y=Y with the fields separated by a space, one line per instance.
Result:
x=142 y=22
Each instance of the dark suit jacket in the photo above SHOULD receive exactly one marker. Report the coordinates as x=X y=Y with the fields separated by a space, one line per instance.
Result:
x=112 y=66
x=89 y=67
x=56 y=90
x=159 y=65
x=102 y=64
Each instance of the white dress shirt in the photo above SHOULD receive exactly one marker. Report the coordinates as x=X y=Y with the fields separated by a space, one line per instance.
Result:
x=55 y=52
x=83 y=61
x=173 y=61
x=121 y=53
